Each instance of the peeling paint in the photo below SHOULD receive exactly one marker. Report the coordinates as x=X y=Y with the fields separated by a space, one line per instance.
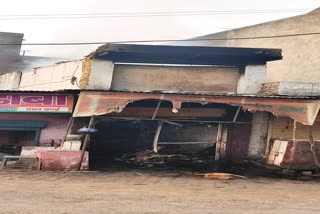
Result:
x=292 y=109
x=62 y=160
x=86 y=70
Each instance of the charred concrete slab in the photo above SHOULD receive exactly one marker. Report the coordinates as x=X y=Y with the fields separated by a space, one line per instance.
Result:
x=195 y=55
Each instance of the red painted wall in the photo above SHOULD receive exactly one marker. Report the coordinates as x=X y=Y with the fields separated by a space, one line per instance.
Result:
x=56 y=124
x=302 y=157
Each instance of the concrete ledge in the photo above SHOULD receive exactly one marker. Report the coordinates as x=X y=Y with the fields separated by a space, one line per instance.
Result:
x=291 y=88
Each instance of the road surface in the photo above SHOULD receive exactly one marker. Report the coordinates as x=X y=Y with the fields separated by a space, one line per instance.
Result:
x=151 y=192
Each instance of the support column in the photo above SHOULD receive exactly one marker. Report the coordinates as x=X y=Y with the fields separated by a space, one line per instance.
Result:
x=251 y=80
x=37 y=137
x=85 y=143
x=258 y=138
x=221 y=143
x=156 y=136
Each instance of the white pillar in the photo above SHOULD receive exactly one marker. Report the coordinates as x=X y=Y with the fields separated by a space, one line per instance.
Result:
x=251 y=80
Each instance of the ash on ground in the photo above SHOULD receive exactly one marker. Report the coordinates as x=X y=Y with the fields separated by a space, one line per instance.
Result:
x=203 y=160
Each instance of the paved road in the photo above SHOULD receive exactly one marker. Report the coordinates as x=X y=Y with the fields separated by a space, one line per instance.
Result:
x=151 y=192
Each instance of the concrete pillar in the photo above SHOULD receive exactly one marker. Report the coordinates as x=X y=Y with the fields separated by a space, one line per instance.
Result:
x=251 y=80
x=100 y=77
x=259 y=134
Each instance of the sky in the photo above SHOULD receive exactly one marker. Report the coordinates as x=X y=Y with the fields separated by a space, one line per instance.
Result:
x=111 y=29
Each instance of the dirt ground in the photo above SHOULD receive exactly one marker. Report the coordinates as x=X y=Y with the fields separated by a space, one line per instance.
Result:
x=151 y=192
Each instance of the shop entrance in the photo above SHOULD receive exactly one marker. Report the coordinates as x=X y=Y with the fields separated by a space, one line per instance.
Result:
x=113 y=139
x=15 y=134
x=12 y=141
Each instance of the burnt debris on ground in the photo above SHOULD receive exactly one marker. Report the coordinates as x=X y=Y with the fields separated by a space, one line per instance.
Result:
x=149 y=159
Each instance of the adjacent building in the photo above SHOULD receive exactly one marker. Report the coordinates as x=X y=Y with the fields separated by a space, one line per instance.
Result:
x=296 y=75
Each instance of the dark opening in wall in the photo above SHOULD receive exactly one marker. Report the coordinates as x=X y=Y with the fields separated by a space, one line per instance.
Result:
x=11 y=141
x=194 y=131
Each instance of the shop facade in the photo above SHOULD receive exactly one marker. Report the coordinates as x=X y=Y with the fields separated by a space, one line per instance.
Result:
x=33 y=119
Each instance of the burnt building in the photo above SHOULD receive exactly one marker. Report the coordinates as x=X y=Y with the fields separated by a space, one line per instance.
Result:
x=176 y=99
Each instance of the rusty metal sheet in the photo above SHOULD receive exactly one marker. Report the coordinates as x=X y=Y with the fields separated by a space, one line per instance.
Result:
x=62 y=160
x=299 y=158
x=100 y=103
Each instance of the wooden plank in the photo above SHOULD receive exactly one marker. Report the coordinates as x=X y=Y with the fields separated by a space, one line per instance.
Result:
x=17 y=157
x=218 y=142
x=156 y=110
x=280 y=153
x=156 y=136
x=221 y=143
x=236 y=114
x=85 y=143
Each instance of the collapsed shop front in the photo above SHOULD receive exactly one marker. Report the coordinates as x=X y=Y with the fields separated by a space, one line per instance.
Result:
x=188 y=138
x=293 y=145
x=32 y=119
x=219 y=126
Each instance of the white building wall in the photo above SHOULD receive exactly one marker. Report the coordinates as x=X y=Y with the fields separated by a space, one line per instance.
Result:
x=251 y=80
x=301 y=62
x=60 y=76
x=10 y=81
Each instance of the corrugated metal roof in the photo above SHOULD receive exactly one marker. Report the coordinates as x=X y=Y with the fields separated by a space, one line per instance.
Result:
x=159 y=92
x=100 y=103
x=219 y=95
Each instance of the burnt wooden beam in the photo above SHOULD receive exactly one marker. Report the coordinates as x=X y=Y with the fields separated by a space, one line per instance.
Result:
x=156 y=110
x=148 y=112
x=156 y=136
x=85 y=143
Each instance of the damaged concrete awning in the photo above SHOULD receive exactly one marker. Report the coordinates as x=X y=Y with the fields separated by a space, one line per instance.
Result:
x=101 y=103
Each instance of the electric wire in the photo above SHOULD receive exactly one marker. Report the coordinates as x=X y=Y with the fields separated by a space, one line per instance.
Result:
x=161 y=40
x=146 y=14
